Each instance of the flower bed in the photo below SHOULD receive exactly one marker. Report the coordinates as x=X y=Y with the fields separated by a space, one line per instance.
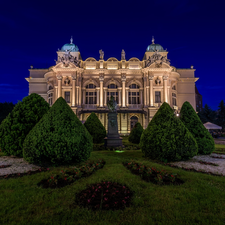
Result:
x=70 y=175
x=208 y=163
x=152 y=174
x=220 y=157
x=16 y=175
x=105 y=196
x=4 y=166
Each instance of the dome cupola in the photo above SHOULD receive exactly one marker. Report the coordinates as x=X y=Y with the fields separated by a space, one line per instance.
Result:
x=70 y=47
x=155 y=47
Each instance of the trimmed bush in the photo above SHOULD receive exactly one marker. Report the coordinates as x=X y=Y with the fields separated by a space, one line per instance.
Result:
x=136 y=133
x=59 y=138
x=95 y=128
x=191 y=120
x=166 y=138
x=15 y=127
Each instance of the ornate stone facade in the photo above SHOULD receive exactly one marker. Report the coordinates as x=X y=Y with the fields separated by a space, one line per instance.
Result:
x=139 y=87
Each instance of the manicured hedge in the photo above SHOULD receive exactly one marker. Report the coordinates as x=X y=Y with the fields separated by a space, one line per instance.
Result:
x=166 y=138
x=95 y=128
x=58 y=138
x=15 y=127
x=191 y=120
x=136 y=133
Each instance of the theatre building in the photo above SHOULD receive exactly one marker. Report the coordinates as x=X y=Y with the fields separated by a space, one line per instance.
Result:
x=139 y=87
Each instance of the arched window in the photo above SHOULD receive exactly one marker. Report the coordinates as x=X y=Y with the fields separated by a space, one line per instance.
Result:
x=50 y=88
x=91 y=95
x=90 y=86
x=174 y=87
x=50 y=98
x=174 y=99
x=134 y=94
x=113 y=92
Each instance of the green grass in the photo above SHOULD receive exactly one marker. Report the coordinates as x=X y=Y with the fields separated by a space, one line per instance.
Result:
x=200 y=200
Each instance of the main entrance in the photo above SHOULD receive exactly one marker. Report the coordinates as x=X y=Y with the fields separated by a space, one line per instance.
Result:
x=133 y=121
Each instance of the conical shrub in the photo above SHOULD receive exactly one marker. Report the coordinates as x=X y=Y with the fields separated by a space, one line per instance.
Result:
x=59 y=138
x=191 y=120
x=95 y=128
x=166 y=138
x=15 y=127
x=136 y=133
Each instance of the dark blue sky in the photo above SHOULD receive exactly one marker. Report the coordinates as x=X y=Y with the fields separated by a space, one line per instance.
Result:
x=191 y=30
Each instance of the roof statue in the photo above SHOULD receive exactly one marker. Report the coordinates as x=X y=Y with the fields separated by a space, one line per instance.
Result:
x=101 y=54
x=123 y=55
x=71 y=40
x=158 y=59
x=153 y=40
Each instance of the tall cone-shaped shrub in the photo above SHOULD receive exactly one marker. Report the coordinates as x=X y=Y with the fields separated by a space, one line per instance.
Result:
x=15 y=127
x=136 y=133
x=59 y=138
x=95 y=128
x=191 y=120
x=166 y=138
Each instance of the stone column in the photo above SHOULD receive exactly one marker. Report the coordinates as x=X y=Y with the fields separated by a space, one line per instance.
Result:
x=145 y=100
x=105 y=96
x=127 y=97
x=97 y=89
x=147 y=96
x=119 y=103
x=101 y=79
x=123 y=78
x=73 y=89
x=77 y=96
x=59 y=77
x=151 y=90
x=165 y=88
x=141 y=97
x=84 y=95
x=80 y=78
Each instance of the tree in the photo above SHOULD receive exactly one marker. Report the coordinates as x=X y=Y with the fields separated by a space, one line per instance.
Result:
x=5 y=109
x=59 y=138
x=15 y=127
x=221 y=115
x=191 y=120
x=136 y=133
x=207 y=115
x=95 y=128
x=167 y=138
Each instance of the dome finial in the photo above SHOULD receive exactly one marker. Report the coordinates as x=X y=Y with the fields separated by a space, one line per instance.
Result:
x=153 y=40
x=71 y=40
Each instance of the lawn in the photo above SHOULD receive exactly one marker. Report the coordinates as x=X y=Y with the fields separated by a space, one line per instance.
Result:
x=200 y=200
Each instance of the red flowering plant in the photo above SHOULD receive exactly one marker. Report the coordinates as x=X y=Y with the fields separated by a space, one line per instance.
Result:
x=172 y=177
x=159 y=178
x=53 y=180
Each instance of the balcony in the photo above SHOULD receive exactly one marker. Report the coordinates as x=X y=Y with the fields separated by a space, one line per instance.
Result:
x=89 y=106
x=135 y=106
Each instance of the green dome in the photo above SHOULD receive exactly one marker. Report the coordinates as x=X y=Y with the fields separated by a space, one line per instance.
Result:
x=155 y=47
x=70 y=47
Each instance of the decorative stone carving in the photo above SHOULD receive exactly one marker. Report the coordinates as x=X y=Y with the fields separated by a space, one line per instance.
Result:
x=68 y=58
x=59 y=76
x=74 y=76
x=67 y=81
x=158 y=59
x=101 y=77
x=123 y=77
x=157 y=81
x=150 y=77
x=101 y=54
x=123 y=55
x=165 y=77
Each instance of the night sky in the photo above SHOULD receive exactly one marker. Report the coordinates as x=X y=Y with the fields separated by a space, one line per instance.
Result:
x=192 y=32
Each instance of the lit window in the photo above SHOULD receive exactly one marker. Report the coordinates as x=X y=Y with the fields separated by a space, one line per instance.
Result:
x=157 y=96
x=112 y=86
x=91 y=97
x=90 y=86
x=134 y=94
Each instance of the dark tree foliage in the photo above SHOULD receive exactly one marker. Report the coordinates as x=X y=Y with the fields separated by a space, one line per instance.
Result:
x=136 y=133
x=221 y=115
x=202 y=136
x=166 y=138
x=95 y=128
x=59 y=138
x=207 y=115
x=5 y=109
x=16 y=126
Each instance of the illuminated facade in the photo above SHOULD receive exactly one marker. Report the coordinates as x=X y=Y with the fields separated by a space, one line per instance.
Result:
x=139 y=87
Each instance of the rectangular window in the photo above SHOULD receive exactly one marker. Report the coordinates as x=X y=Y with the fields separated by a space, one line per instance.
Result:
x=67 y=96
x=174 y=101
x=157 y=96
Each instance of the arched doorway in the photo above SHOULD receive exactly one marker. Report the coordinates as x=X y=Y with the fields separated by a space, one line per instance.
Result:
x=133 y=121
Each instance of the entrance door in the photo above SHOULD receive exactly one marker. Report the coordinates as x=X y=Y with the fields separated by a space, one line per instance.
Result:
x=133 y=121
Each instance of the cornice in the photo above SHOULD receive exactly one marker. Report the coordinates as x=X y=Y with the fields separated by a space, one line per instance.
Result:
x=188 y=79
x=36 y=80
x=77 y=69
